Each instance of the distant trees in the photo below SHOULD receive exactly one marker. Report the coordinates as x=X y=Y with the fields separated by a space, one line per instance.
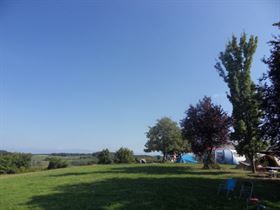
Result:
x=206 y=126
x=271 y=95
x=104 y=157
x=165 y=137
x=234 y=67
x=124 y=155
x=14 y=162
x=3 y=152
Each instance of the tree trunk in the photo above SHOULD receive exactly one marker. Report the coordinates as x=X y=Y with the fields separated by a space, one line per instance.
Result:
x=253 y=164
x=208 y=160
x=164 y=157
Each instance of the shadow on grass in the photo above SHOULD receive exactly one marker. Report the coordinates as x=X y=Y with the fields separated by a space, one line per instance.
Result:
x=150 y=169
x=170 y=193
x=140 y=193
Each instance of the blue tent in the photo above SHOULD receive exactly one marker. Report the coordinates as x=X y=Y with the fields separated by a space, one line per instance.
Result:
x=186 y=158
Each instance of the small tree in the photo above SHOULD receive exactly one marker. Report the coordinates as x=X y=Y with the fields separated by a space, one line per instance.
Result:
x=104 y=157
x=206 y=126
x=124 y=155
x=165 y=137
x=271 y=95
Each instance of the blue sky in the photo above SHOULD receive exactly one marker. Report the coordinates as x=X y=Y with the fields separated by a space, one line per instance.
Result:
x=87 y=75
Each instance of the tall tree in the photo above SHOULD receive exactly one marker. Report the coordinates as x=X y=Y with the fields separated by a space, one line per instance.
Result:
x=271 y=93
x=235 y=68
x=165 y=137
x=206 y=126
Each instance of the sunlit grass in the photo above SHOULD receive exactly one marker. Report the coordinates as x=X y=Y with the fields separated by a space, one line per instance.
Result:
x=154 y=186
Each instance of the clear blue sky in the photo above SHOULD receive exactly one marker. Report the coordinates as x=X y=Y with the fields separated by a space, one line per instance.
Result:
x=87 y=75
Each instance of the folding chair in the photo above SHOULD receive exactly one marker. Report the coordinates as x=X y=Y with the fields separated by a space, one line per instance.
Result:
x=228 y=186
x=246 y=190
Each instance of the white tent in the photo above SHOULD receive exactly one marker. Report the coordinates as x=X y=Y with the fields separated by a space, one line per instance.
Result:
x=228 y=156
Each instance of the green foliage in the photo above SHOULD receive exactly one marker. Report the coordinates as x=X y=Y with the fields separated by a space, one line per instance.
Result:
x=40 y=162
x=235 y=68
x=271 y=95
x=165 y=137
x=104 y=157
x=124 y=155
x=55 y=162
x=206 y=126
x=14 y=162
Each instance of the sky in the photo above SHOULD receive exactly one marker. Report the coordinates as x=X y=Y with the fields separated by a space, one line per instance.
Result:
x=80 y=76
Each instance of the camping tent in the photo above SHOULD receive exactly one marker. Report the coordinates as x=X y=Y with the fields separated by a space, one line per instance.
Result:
x=228 y=156
x=186 y=158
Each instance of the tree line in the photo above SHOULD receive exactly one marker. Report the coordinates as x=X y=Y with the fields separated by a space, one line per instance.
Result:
x=255 y=119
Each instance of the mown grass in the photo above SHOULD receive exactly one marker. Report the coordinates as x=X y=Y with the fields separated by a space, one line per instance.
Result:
x=155 y=186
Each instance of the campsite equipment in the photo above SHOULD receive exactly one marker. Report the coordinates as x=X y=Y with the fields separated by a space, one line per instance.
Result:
x=246 y=190
x=227 y=156
x=143 y=161
x=227 y=186
x=186 y=158
x=254 y=203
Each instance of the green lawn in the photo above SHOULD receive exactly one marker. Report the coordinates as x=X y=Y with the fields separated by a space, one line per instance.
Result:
x=155 y=186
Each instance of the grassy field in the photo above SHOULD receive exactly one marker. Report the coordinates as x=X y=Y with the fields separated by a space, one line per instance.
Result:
x=155 y=186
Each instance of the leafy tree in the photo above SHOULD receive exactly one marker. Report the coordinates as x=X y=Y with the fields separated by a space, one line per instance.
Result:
x=235 y=68
x=104 y=157
x=124 y=155
x=271 y=95
x=165 y=137
x=206 y=126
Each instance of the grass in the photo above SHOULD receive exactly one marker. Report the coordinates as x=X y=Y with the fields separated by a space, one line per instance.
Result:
x=155 y=186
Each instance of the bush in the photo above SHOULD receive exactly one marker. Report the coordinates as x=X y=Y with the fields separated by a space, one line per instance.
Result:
x=104 y=157
x=55 y=162
x=14 y=162
x=124 y=155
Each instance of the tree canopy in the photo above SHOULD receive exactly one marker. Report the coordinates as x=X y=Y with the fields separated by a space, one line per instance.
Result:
x=124 y=155
x=271 y=95
x=206 y=126
x=104 y=157
x=234 y=67
x=165 y=137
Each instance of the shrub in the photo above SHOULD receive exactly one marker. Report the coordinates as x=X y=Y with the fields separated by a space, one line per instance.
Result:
x=104 y=157
x=55 y=162
x=124 y=155
x=14 y=162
